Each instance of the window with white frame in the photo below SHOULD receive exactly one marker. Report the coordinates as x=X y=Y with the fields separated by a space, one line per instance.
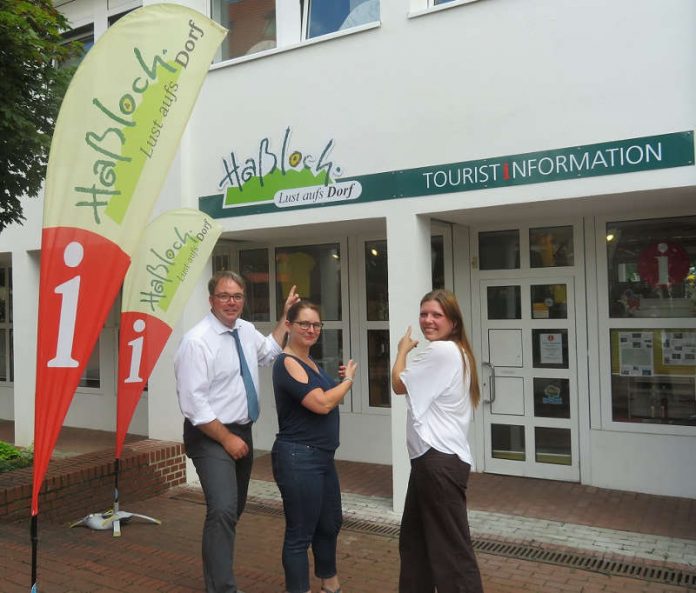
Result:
x=259 y=25
x=316 y=272
x=319 y=273
x=6 y=337
x=651 y=267
x=375 y=326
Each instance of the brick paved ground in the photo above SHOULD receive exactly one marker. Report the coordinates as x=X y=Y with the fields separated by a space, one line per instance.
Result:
x=166 y=558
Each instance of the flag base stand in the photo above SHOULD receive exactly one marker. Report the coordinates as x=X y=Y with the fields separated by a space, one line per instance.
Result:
x=111 y=520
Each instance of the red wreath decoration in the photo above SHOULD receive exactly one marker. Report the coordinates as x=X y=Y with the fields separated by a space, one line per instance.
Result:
x=677 y=263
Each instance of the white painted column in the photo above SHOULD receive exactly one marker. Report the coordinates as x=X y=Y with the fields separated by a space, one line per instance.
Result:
x=410 y=277
x=165 y=421
x=25 y=306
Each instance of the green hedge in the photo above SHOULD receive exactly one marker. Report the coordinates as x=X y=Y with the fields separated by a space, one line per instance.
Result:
x=13 y=458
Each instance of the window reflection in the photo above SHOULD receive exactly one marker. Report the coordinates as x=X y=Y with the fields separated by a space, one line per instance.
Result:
x=549 y=301
x=251 y=24
x=504 y=302
x=653 y=375
x=91 y=378
x=507 y=442
x=253 y=266
x=552 y=445
x=328 y=351
x=551 y=247
x=652 y=267
x=337 y=15
x=437 y=252
x=378 y=356
x=499 y=250
x=316 y=272
x=376 y=288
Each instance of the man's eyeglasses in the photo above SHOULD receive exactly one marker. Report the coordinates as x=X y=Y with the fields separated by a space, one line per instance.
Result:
x=224 y=297
x=305 y=325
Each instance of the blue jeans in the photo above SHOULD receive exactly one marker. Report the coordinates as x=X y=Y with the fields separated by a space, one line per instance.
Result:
x=308 y=482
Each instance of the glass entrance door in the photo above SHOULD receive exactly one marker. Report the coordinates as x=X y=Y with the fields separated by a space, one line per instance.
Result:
x=529 y=378
x=528 y=351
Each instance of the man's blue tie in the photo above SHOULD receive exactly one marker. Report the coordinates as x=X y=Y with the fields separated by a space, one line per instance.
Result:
x=252 y=397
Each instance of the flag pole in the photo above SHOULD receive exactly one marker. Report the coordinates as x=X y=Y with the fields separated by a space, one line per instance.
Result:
x=34 y=529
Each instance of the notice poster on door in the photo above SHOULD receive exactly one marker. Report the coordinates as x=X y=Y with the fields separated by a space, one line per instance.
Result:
x=551 y=348
x=679 y=347
x=636 y=354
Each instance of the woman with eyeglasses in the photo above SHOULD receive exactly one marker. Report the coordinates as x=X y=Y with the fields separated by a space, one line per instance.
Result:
x=303 y=452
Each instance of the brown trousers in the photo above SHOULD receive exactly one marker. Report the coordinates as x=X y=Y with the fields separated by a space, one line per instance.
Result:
x=435 y=543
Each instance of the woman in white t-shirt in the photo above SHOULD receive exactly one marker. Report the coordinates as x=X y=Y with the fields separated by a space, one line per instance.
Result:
x=441 y=389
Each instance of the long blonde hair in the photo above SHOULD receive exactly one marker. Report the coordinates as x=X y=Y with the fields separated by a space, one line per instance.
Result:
x=450 y=307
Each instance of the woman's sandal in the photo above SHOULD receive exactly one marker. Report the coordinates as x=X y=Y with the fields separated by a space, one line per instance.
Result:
x=326 y=590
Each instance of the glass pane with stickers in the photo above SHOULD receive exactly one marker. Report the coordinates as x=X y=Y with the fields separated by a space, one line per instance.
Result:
x=550 y=348
x=551 y=397
x=549 y=301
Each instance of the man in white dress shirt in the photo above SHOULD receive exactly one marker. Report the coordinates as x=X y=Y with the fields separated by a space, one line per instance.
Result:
x=220 y=407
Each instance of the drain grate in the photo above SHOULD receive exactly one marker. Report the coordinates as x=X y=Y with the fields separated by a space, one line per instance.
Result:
x=608 y=566
x=588 y=561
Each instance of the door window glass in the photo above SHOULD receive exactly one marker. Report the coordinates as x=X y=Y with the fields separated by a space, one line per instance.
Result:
x=551 y=398
x=504 y=302
x=550 y=348
x=378 y=356
x=376 y=288
x=549 y=301
x=253 y=266
x=499 y=250
x=315 y=270
x=437 y=251
x=552 y=445
x=653 y=375
x=507 y=441
x=328 y=351
x=551 y=247
x=652 y=268
x=90 y=377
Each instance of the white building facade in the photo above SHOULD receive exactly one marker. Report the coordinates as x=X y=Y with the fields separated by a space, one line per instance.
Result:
x=536 y=157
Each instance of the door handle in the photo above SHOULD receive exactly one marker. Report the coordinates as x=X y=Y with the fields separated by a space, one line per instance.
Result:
x=491 y=389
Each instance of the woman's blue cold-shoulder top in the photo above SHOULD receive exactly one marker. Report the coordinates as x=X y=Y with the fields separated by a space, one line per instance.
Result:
x=297 y=424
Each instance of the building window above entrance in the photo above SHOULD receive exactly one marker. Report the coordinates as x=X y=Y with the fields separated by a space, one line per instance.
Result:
x=259 y=25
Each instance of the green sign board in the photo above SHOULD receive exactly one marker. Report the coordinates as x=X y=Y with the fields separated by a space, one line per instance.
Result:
x=576 y=162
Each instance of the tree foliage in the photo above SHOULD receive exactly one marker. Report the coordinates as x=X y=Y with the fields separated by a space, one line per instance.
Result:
x=32 y=85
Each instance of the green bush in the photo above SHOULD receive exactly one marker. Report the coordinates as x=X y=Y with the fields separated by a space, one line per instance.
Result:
x=13 y=458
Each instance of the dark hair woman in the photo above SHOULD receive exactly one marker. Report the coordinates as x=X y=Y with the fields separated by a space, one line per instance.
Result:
x=441 y=389
x=303 y=452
